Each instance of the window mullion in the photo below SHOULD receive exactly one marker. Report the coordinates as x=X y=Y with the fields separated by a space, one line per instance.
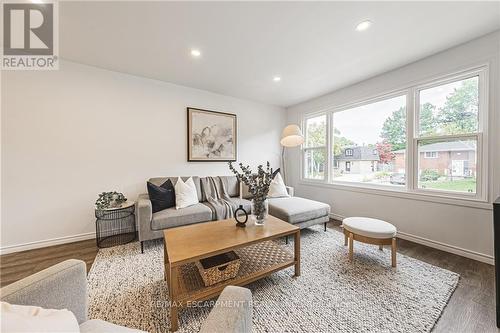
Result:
x=329 y=142
x=411 y=120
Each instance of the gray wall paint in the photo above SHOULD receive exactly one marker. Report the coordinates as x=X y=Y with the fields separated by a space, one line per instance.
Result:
x=462 y=229
x=68 y=135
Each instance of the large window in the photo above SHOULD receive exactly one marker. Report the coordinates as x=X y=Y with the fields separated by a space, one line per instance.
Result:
x=448 y=133
x=426 y=139
x=369 y=143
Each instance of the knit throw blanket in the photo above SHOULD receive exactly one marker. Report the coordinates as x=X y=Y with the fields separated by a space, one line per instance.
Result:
x=214 y=189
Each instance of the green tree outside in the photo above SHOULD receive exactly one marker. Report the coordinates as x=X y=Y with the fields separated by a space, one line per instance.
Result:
x=460 y=111
x=428 y=122
x=394 y=129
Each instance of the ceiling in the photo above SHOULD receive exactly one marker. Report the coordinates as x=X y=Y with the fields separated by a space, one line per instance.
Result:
x=312 y=46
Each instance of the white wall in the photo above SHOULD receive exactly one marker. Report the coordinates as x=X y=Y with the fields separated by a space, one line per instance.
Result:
x=68 y=135
x=460 y=229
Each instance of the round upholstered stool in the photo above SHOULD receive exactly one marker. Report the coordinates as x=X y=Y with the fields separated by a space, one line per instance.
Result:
x=371 y=231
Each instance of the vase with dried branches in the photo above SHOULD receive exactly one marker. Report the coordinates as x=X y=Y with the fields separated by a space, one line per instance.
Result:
x=258 y=185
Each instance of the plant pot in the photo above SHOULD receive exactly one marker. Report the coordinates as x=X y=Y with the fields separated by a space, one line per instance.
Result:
x=260 y=210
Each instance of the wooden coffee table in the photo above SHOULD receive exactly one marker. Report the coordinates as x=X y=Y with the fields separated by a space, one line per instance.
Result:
x=260 y=256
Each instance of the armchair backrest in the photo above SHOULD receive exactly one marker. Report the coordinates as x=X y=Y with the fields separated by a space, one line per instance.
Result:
x=62 y=286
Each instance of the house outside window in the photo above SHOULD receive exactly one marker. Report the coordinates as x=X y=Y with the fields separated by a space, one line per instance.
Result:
x=444 y=140
x=365 y=144
x=431 y=154
x=448 y=134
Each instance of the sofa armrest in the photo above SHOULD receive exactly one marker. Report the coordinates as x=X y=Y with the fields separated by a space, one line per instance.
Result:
x=232 y=312
x=62 y=286
x=290 y=190
x=144 y=214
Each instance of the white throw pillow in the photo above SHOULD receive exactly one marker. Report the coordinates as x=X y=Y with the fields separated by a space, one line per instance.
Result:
x=23 y=318
x=185 y=193
x=277 y=189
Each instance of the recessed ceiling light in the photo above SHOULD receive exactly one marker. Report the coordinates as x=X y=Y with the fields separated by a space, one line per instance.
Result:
x=195 y=53
x=276 y=79
x=362 y=26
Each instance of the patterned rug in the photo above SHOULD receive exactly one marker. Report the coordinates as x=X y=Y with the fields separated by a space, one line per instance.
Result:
x=332 y=295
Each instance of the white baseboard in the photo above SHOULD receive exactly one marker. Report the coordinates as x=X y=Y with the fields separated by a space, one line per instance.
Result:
x=438 y=245
x=336 y=217
x=44 y=243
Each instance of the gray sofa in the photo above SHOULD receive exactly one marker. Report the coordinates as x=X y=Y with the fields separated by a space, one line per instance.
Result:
x=295 y=210
x=64 y=286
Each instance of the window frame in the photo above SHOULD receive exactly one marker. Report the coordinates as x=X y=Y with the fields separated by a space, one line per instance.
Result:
x=410 y=189
x=382 y=97
x=305 y=149
x=481 y=158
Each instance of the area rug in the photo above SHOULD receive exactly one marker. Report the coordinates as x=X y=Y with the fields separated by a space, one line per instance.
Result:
x=332 y=294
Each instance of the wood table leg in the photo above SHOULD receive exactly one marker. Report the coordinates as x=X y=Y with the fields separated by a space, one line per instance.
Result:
x=351 y=246
x=380 y=247
x=168 y=270
x=345 y=240
x=393 y=252
x=297 y=253
x=172 y=287
x=166 y=265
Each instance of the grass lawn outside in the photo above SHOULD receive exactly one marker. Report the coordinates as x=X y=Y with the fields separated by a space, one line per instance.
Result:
x=461 y=185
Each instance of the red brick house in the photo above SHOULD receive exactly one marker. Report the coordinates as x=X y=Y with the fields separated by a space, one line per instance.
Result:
x=456 y=159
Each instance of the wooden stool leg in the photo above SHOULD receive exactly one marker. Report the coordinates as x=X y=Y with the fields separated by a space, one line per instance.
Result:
x=381 y=247
x=345 y=240
x=351 y=246
x=393 y=252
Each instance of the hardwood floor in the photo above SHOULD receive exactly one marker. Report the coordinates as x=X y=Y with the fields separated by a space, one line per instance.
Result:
x=18 y=265
x=471 y=308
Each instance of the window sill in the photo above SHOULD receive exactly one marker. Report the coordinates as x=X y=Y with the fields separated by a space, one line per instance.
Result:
x=402 y=193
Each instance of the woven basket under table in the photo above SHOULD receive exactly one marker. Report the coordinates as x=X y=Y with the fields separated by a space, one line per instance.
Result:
x=219 y=268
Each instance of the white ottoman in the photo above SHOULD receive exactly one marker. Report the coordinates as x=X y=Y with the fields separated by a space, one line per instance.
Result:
x=371 y=231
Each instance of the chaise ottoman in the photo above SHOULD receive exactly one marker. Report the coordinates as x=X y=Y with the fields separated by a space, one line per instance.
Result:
x=299 y=211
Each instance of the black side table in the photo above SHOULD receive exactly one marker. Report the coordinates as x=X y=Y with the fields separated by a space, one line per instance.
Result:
x=115 y=226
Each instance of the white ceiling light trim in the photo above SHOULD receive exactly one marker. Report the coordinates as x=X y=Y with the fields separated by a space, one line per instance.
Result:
x=196 y=53
x=363 y=25
x=277 y=78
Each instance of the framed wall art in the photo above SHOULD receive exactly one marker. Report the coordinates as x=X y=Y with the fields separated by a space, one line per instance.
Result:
x=212 y=136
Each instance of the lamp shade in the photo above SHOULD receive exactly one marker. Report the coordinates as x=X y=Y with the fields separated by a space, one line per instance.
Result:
x=292 y=136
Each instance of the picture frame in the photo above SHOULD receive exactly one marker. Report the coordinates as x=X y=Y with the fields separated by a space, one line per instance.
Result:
x=211 y=136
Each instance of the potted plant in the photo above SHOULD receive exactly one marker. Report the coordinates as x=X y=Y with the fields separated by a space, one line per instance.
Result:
x=109 y=200
x=258 y=185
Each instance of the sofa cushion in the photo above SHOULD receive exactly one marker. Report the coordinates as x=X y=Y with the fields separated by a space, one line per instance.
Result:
x=277 y=188
x=160 y=180
x=162 y=197
x=171 y=217
x=247 y=204
x=232 y=185
x=101 y=326
x=185 y=193
x=245 y=191
x=296 y=209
